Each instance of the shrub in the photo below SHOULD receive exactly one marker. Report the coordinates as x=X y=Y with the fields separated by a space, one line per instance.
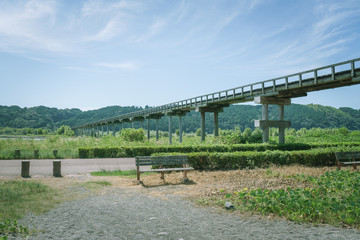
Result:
x=65 y=130
x=132 y=135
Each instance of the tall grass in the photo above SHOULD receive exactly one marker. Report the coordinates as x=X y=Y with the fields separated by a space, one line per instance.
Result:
x=68 y=146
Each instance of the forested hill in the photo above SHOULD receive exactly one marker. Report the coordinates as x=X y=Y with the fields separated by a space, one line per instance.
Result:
x=242 y=116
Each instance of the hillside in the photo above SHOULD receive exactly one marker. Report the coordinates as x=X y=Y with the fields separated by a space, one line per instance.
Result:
x=242 y=116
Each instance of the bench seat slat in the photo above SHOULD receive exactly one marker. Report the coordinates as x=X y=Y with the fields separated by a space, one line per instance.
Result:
x=348 y=163
x=160 y=157
x=168 y=169
x=347 y=155
x=160 y=163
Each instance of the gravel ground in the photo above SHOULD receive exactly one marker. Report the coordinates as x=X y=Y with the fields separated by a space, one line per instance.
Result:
x=127 y=214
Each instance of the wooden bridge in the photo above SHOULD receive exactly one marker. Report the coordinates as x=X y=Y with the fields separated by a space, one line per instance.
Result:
x=277 y=91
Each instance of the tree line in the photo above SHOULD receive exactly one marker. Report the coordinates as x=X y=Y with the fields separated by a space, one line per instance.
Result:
x=236 y=116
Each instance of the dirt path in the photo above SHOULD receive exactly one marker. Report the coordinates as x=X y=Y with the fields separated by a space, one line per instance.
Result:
x=161 y=210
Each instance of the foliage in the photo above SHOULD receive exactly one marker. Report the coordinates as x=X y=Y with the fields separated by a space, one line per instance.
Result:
x=334 y=199
x=65 y=130
x=127 y=173
x=251 y=159
x=23 y=131
x=242 y=116
x=9 y=227
x=18 y=197
x=318 y=135
x=132 y=135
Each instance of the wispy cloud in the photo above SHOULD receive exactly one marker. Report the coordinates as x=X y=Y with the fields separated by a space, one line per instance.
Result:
x=95 y=7
x=25 y=27
x=130 y=66
x=157 y=26
x=112 y=29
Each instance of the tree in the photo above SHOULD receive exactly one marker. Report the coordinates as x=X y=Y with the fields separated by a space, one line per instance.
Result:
x=65 y=130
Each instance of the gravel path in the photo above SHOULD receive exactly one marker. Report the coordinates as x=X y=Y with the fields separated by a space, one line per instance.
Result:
x=132 y=215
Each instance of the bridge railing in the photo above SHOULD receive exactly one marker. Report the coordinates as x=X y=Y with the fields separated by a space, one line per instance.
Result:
x=242 y=92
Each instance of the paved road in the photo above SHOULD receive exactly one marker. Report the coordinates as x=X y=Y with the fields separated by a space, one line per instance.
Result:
x=43 y=167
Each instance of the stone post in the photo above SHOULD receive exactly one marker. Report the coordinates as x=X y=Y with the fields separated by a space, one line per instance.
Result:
x=57 y=168
x=25 y=169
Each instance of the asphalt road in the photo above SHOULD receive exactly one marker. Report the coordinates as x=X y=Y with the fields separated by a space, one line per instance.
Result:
x=44 y=167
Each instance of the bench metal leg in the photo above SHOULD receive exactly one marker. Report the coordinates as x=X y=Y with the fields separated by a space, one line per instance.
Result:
x=138 y=173
x=355 y=165
x=185 y=174
x=338 y=165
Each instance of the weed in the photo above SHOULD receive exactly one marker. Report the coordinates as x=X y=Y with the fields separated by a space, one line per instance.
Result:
x=127 y=173
x=334 y=199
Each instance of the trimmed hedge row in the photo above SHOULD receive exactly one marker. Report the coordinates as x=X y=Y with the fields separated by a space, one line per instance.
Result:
x=240 y=160
x=113 y=152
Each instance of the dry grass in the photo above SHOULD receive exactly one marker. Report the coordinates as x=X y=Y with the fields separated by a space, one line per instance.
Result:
x=209 y=183
x=203 y=184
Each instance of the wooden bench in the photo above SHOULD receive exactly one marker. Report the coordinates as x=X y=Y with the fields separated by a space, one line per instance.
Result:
x=162 y=161
x=347 y=156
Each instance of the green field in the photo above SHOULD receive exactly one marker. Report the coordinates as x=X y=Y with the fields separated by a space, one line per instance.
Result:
x=67 y=147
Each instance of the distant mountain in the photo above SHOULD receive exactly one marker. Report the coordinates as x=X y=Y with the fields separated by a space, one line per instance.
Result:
x=242 y=116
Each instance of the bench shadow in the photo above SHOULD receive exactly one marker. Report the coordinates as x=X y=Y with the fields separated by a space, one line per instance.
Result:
x=189 y=182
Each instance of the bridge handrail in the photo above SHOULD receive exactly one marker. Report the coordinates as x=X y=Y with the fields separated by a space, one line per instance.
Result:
x=217 y=96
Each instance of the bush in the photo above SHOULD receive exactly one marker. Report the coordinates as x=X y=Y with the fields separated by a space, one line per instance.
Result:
x=65 y=130
x=239 y=160
x=129 y=151
x=132 y=135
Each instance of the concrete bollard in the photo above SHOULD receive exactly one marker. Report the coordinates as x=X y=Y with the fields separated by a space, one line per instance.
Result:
x=57 y=168
x=17 y=154
x=25 y=169
x=36 y=154
x=55 y=153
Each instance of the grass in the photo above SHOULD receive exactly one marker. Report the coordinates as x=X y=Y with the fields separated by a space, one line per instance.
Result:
x=126 y=173
x=19 y=197
x=332 y=198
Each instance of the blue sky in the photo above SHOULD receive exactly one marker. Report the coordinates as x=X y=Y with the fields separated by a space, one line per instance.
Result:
x=92 y=54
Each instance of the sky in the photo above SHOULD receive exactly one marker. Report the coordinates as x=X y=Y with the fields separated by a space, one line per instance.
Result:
x=92 y=54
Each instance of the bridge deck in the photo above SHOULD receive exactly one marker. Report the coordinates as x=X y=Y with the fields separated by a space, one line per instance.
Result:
x=290 y=86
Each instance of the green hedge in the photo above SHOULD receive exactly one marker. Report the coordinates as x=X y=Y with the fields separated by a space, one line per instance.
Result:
x=112 y=152
x=240 y=160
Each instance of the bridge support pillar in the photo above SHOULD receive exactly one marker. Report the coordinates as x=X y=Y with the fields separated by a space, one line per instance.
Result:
x=113 y=129
x=156 y=117
x=107 y=129
x=170 y=129
x=216 y=124
x=265 y=123
x=214 y=109
x=180 y=129
x=202 y=126
x=148 y=129
x=102 y=130
x=157 y=129
x=180 y=114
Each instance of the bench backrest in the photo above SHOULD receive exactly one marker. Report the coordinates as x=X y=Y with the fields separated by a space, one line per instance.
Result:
x=161 y=160
x=347 y=155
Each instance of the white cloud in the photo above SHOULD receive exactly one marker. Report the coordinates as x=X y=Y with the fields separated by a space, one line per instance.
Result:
x=131 y=66
x=29 y=26
x=158 y=25
x=95 y=7
x=110 y=30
